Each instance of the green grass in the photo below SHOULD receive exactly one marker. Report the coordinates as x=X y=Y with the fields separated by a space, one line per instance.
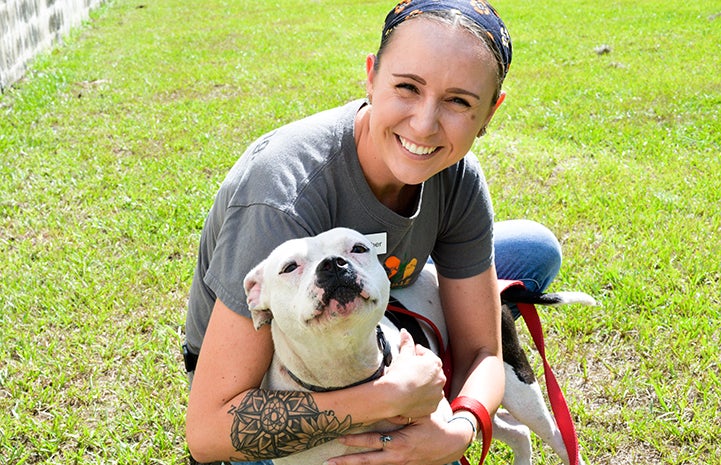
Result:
x=113 y=147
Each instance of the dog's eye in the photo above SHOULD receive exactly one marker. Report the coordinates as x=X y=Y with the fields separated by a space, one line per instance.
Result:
x=289 y=268
x=359 y=248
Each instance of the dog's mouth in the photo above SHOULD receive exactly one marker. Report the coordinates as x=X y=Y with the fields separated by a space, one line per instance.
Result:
x=343 y=293
x=341 y=300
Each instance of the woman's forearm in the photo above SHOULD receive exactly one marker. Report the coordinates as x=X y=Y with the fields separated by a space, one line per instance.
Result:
x=271 y=424
x=264 y=424
x=473 y=314
x=475 y=381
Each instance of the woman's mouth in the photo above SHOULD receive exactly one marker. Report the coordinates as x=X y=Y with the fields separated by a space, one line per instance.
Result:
x=416 y=149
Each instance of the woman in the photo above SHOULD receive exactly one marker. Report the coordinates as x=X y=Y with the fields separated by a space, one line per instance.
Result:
x=396 y=163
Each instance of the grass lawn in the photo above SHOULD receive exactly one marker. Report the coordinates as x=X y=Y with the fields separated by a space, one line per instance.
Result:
x=112 y=149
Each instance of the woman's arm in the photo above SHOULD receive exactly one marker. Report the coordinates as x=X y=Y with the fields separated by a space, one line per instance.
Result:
x=472 y=308
x=227 y=412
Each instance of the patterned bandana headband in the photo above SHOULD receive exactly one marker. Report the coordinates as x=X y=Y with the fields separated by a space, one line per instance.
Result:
x=479 y=11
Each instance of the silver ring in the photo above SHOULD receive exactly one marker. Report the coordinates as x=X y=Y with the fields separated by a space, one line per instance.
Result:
x=384 y=439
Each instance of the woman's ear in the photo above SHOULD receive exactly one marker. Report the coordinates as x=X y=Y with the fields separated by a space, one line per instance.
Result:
x=500 y=100
x=498 y=103
x=370 y=74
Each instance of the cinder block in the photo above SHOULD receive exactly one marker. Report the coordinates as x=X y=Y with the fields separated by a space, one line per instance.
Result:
x=29 y=27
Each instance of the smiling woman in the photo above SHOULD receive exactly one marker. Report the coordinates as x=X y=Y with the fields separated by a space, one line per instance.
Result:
x=396 y=165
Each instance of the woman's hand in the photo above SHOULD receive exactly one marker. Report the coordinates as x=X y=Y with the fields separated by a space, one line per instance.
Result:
x=416 y=380
x=428 y=440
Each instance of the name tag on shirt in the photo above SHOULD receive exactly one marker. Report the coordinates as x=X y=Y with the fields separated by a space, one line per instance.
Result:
x=379 y=241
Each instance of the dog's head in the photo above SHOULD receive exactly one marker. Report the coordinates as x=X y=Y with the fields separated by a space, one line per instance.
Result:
x=316 y=281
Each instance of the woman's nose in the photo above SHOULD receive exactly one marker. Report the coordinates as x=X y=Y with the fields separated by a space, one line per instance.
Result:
x=424 y=120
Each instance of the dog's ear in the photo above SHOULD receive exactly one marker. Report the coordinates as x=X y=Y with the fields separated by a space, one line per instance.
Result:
x=259 y=309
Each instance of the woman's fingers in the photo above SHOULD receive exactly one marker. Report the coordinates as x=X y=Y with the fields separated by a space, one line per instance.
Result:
x=380 y=445
x=407 y=346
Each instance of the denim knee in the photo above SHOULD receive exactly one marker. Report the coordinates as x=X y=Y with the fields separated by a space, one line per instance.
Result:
x=526 y=251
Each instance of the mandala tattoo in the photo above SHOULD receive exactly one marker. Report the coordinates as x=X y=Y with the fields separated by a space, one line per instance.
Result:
x=272 y=424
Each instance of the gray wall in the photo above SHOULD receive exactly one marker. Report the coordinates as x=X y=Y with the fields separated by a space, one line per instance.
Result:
x=28 y=27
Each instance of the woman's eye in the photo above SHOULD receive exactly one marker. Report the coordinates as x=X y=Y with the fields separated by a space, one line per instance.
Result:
x=289 y=268
x=460 y=101
x=359 y=248
x=407 y=86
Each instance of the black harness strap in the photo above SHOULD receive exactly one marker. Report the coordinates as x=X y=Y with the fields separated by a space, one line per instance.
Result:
x=410 y=323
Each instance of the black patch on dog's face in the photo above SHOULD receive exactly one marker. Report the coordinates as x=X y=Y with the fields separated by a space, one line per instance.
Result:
x=513 y=354
x=338 y=279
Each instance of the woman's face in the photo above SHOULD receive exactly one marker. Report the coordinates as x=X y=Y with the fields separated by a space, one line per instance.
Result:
x=431 y=96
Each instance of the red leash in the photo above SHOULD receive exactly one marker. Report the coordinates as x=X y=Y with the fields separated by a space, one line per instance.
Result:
x=555 y=395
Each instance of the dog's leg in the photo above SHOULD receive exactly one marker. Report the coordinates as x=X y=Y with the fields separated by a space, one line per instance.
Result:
x=518 y=437
x=523 y=397
x=525 y=402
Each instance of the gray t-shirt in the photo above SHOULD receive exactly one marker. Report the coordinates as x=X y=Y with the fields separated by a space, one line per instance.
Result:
x=305 y=178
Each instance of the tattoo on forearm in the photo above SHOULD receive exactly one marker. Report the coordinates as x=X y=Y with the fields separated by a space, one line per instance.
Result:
x=272 y=424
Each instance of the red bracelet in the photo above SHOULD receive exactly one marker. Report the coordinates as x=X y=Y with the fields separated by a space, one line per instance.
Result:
x=481 y=414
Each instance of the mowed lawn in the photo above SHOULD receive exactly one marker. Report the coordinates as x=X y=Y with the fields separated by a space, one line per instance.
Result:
x=114 y=145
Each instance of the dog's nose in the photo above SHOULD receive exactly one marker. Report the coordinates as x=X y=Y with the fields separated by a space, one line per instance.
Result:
x=332 y=265
x=332 y=271
x=337 y=278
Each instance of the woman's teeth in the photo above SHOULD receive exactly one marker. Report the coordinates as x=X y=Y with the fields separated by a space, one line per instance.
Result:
x=416 y=149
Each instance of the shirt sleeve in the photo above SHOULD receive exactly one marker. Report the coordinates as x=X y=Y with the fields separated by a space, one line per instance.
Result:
x=246 y=237
x=464 y=246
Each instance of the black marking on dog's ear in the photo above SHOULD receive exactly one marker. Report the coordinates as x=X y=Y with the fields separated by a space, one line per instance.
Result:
x=513 y=354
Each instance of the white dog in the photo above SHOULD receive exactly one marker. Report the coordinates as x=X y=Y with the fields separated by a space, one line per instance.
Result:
x=325 y=298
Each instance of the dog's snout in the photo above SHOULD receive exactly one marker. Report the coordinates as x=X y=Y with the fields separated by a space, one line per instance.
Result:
x=338 y=279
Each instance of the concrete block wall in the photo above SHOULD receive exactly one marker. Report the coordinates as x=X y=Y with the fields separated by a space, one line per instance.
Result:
x=28 y=27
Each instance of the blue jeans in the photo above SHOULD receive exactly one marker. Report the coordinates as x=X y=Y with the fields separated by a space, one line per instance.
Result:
x=526 y=251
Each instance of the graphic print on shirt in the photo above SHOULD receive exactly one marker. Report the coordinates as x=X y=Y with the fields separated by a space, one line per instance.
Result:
x=400 y=273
